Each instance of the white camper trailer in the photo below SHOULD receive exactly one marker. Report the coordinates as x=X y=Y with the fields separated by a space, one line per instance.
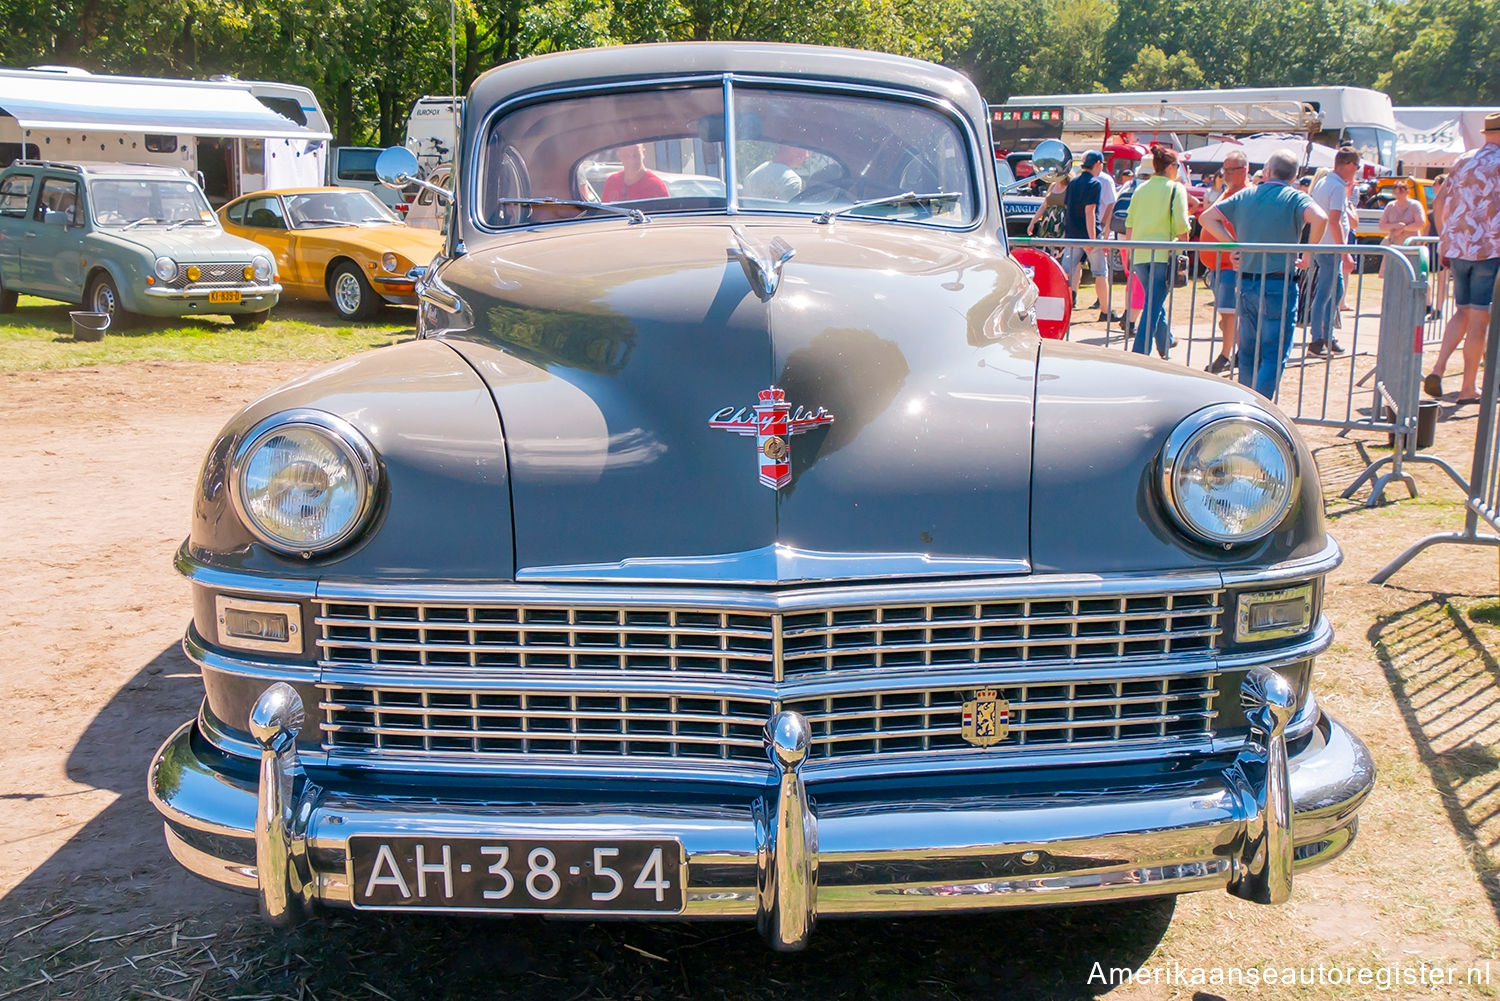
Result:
x=238 y=136
x=432 y=130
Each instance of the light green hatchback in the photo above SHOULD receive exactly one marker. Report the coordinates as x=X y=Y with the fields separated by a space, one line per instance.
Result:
x=125 y=239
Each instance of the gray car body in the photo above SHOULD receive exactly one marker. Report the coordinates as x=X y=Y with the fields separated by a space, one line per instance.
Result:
x=552 y=453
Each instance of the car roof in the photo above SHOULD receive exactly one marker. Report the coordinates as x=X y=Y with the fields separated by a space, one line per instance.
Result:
x=580 y=67
x=100 y=169
x=297 y=191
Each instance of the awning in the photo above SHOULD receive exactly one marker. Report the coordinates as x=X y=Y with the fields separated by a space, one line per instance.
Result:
x=41 y=100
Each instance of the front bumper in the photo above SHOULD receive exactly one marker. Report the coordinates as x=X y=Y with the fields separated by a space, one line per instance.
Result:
x=160 y=301
x=396 y=289
x=793 y=853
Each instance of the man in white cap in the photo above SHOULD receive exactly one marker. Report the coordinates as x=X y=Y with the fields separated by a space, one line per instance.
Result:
x=1467 y=213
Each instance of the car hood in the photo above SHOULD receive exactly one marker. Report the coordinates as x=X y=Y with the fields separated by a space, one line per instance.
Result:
x=191 y=244
x=611 y=350
x=416 y=245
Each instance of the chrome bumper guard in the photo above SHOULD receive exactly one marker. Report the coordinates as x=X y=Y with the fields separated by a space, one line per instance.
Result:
x=785 y=858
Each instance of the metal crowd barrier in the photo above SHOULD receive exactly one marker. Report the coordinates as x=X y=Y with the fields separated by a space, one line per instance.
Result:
x=1373 y=386
x=1482 y=487
x=1440 y=307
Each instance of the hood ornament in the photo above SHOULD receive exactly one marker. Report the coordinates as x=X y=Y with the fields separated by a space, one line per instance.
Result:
x=772 y=422
x=762 y=266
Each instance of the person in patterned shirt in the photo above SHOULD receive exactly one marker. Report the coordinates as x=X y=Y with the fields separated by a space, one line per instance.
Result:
x=1467 y=212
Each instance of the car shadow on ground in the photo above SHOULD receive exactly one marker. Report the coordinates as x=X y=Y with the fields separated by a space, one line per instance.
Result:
x=1446 y=682
x=122 y=919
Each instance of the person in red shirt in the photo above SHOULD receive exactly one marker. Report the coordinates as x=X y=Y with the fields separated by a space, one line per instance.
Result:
x=635 y=181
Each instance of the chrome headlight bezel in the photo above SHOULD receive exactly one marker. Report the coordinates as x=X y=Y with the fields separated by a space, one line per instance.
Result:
x=263 y=268
x=344 y=439
x=165 y=268
x=1210 y=418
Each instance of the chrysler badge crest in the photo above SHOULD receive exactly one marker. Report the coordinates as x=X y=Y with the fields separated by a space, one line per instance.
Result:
x=986 y=718
x=773 y=422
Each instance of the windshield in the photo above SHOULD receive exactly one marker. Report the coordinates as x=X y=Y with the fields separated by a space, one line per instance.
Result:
x=317 y=209
x=1375 y=145
x=149 y=202
x=794 y=151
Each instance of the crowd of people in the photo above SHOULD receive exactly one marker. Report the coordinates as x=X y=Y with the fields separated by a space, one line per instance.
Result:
x=1257 y=295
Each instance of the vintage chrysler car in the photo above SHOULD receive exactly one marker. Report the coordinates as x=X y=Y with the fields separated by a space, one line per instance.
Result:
x=127 y=240
x=748 y=554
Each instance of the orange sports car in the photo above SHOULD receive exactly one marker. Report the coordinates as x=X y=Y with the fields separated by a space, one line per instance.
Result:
x=339 y=244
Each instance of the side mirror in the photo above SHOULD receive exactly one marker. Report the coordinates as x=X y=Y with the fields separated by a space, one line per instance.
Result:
x=52 y=217
x=396 y=167
x=1052 y=159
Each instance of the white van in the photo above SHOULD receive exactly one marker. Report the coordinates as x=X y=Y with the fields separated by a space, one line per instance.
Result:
x=432 y=130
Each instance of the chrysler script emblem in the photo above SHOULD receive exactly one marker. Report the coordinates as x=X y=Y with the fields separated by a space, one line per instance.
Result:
x=773 y=422
x=986 y=718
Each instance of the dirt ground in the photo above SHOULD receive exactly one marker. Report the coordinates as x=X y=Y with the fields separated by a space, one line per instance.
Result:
x=96 y=466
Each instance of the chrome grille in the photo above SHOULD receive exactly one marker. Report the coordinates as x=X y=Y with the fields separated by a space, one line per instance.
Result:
x=1029 y=631
x=665 y=725
x=1076 y=713
x=218 y=275
x=500 y=638
x=698 y=641
x=538 y=722
x=491 y=680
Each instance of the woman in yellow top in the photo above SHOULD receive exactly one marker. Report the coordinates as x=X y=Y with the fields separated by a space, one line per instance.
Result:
x=1158 y=211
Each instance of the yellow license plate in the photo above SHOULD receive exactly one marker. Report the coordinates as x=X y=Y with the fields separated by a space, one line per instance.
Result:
x=224 y=295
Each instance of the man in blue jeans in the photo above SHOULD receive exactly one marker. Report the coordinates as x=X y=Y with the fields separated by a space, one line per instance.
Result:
x=1331 y=193
x=1273 y=211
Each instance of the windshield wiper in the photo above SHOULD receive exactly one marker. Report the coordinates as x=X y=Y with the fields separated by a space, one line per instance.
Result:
x=326 y=222
x=186 y=222
x=635 y=215
x=905 y=198
x=136 y=222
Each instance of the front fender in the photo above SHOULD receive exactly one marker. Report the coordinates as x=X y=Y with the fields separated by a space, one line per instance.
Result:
x=1102 y=418
x=443 y=510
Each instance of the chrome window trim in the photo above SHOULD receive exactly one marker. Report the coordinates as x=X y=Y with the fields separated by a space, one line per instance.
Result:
x=341 y=432
x=1189 y=428
x=727 y=80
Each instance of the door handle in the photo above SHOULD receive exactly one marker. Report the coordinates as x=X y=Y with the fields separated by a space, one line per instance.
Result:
x=31 y=236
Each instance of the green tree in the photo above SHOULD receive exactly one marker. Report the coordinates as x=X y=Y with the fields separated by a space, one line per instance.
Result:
x=1155 y=70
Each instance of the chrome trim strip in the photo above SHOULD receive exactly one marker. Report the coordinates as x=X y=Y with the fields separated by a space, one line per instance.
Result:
x=770 y=565
x=811 y=598
x=238 y=581
x=731 y=154
x=198 y=651
x=1319 y=564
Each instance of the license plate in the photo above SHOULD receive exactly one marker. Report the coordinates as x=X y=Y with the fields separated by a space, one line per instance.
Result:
x=507 y=874
x=224 y=295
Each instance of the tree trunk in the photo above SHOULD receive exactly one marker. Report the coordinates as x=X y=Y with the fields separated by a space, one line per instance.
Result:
x=343 y=113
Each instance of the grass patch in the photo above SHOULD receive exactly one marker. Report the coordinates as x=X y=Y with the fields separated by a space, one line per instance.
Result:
x=39 y=335
x=1486 y=612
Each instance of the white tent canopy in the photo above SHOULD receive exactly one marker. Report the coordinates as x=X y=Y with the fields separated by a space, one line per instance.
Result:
x=1435 y=137
x=1310 y=155
x=132 y=104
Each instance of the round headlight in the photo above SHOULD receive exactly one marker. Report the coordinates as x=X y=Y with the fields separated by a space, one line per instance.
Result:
x=166 y=268
x=305 y=481
x=388 y=261
x=260 y=269
x=1229 y=473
